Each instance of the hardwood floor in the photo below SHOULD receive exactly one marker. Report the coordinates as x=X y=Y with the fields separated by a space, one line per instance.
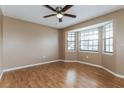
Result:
x=60 y=74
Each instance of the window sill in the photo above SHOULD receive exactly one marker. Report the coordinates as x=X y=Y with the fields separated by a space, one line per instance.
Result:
x=70 y=51
x=89 y=51
x=111 y=54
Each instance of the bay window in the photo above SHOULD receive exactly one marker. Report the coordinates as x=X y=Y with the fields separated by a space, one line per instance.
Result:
x=89 y=40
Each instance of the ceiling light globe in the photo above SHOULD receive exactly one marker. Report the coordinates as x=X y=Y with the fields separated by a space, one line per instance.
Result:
x=59 y=15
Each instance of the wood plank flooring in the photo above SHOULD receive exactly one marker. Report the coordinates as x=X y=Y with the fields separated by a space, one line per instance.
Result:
x=60 y=75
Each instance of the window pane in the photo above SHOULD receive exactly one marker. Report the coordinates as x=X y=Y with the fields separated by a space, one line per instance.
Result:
x=86 y=43
x=111 y=48
x=111 y=33
x=95 y=32
x=107 y=34
x=70 y=45
x=90 y=43
x=82 y=47
x=71 y=41
x=96 y=36
x=107 y=42
x=108 y=37
x=86 y=33
x=69 y=38
x=90 y=48
x=82 y=34
x=107 y=48
x=86 y=47
x=72 y=38
x=111 y=41
x=90 y=33
x=90 y=38
x=94 y=48
x=82 y=38
x=86 y=37
x=107 y=28
x=95 y=42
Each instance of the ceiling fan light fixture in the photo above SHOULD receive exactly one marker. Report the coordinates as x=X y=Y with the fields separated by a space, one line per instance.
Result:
x=59 y=15
x=60 y=12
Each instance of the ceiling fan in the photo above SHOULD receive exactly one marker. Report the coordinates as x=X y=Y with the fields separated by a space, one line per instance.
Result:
x=59 y=12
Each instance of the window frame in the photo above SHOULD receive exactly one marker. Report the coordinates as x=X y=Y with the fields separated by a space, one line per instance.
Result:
x=88 y=40
x=71 y=50
x=110 y=37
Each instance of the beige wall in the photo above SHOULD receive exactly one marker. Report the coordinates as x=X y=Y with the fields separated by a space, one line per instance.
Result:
x=27 y=43
x=61 y=45
x=94 y=58
x=120 y=42
x=1 y=39
x=113 y=62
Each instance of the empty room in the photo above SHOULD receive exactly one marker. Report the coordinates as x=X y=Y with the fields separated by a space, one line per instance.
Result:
x=62 y=46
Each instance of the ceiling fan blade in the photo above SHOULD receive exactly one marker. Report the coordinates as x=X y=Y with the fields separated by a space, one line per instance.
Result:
x=49 y=15
x=60 y=20
x=70 y=15
x=49 y=7
x=66 y=8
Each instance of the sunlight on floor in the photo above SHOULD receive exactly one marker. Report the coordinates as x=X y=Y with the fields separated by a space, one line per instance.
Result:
x=70 y=78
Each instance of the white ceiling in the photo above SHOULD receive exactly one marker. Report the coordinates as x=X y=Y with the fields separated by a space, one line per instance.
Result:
x=35 y=13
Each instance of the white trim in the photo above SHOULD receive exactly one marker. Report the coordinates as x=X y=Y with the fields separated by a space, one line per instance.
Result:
x=99 y=66
x=90 y=27
x=1 y=75
x=31 y=65
x=89 y=51
x=115 y=74
x=110 y=54
x=95 y=65
x=90 y=64
x=82 y=62
x=70 y=60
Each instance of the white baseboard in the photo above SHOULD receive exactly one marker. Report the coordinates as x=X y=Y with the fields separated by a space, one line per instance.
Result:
x=1 y=74
x=26 y=66
x=82 y=62
x=99 y=66
x=31 y=65
x=115 y=74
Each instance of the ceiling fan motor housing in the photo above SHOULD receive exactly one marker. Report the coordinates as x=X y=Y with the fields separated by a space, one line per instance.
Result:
x=59 y=9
